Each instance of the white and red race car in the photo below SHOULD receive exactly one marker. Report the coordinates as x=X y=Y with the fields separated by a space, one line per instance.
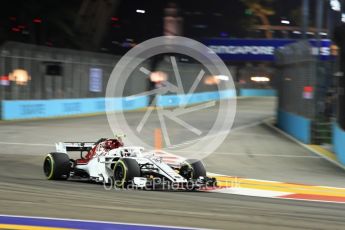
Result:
x=110 y=162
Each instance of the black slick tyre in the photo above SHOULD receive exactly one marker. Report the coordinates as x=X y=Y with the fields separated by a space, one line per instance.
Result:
x=56 y=166
x=125 y=170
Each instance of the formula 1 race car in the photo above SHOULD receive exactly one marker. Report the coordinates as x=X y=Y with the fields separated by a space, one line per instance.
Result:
x=110 y=162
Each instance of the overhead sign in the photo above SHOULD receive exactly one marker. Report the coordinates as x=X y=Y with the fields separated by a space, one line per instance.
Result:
x=259 y=49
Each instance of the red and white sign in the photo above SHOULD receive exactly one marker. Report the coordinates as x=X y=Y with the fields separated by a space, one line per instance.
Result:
x=4 y=80
x=308 y=92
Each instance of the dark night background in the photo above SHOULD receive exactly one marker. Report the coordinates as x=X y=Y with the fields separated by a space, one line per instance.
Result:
x=117 y=26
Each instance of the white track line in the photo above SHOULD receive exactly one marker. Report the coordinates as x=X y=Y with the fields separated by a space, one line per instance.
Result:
x=174 y=146
x=218 y=134
x=256 y=155
x=251 y=192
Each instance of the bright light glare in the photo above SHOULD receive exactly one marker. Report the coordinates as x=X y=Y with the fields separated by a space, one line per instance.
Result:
x=343 y=17
x=139 y=11
x=222 y=77
x=211 y=80
x=260 y=79
x=284 y=21
x=335 y=5
x=296 y=32
x=158 y=76
x=20 y=76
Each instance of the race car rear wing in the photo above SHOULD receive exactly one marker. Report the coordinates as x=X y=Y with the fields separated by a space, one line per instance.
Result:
x=63 y=147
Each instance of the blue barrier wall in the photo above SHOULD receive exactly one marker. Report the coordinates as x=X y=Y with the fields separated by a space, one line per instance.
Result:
x=339 y=142
x=179 y=100
x=258 y=92
x=295 y=125
x=27 y=109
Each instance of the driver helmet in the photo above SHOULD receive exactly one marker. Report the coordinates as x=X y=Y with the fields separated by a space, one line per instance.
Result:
x=113 y=144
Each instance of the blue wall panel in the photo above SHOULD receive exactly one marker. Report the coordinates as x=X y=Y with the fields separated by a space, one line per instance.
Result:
x=258 y=92
x=26 y=109
x=339 y=142
x=295 y=125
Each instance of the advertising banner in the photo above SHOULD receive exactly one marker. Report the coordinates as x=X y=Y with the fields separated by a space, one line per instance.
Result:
x=260 y=49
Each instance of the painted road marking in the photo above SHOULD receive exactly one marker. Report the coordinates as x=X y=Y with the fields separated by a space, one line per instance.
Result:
x=275 y=189
x=324 y=152
x=281 y=186
x=40 y=223
x=313 y=197
x=27 y=227
x=251 y=192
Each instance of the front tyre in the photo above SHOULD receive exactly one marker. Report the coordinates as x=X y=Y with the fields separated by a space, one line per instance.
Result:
x=56 y=166
x=125 y=170
x=193 y=169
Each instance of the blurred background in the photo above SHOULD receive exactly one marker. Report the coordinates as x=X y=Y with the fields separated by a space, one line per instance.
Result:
x=67 y=49
x=286 y=58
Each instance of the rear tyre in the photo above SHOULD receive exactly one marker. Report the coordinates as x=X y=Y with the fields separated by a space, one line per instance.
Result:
x=125 y=170
x=193 y=169
x=56 y=166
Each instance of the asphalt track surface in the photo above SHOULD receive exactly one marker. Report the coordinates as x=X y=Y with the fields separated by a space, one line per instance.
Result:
x=252 y=150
